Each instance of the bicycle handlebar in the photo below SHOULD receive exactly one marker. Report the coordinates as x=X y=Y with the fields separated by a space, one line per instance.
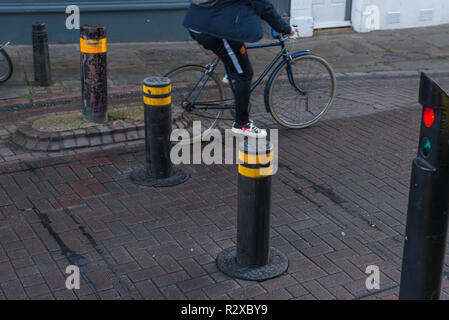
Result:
x=283 y=37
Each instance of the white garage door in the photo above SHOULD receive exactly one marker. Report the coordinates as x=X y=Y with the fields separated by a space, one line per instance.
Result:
x=330 y=13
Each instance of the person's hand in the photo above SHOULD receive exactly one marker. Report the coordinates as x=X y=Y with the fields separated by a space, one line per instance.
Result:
x=293 y=31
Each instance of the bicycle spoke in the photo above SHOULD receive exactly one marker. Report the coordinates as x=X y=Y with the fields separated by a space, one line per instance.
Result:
x=302 y=92
x=191 y=88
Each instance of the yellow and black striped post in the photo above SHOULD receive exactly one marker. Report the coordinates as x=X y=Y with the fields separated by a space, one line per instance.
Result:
x=252 y=258
x=94 y=82
x=159 y=171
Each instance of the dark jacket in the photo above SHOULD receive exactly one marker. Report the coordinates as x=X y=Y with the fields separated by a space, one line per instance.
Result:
x=237 y=20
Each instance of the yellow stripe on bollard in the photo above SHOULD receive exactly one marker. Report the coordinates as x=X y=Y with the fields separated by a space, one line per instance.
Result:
x=93 y=46
x=256 y=173
x=157 y=101
x=157 y=90
x=256 y=159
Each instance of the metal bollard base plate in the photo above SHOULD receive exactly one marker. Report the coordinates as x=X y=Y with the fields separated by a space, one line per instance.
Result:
x=140 y=176
x=277 y=265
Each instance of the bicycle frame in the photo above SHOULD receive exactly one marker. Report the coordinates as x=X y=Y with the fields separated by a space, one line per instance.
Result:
x=214 y=63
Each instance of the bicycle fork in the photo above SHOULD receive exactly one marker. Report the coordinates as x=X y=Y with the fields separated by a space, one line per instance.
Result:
x=292 y=81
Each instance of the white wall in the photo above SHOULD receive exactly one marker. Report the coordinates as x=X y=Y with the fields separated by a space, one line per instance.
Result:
x=368 y=15
x=395 y=14
x=301 y=15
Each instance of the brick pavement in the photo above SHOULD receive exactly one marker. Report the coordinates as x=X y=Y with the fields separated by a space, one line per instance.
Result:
x=339 y=204
x=356 y=95
x=129 y=63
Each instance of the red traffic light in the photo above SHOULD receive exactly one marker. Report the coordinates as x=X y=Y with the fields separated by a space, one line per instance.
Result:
x=429 y=117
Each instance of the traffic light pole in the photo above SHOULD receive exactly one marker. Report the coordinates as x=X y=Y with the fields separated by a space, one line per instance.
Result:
x=427 y=216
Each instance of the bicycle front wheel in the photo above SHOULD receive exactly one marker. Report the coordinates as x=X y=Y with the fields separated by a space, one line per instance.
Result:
x=5 y=66
x=196 y=96
x=301 y=91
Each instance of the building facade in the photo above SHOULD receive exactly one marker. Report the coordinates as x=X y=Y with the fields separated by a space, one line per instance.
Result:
x=367 y=15
x=160 y=20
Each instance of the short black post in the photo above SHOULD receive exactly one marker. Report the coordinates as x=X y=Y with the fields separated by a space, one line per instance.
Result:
x=253 y=258
x=159 y=171
x=427 y=216
x=41 y=56
x=94 y=81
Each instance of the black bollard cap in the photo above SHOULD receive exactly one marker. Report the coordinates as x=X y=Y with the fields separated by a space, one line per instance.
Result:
x=156 y=82
x=39 y=26
x=93 y=31
x=431 y=94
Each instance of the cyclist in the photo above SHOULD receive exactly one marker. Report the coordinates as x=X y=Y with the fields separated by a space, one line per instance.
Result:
x=224 y=28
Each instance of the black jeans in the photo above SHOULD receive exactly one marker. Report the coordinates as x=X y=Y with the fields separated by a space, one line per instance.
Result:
x=234 y=56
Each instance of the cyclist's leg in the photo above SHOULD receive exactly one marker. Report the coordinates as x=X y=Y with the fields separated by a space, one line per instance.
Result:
x=235 y=57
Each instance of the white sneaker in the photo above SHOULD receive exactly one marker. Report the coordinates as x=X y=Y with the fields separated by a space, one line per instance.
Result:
x=249 y=129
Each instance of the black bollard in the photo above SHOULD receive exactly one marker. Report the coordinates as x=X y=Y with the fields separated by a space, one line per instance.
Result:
x=427 y=216
x=41 y=56
x=94 y=81
x=253 y=258
x=159 y=171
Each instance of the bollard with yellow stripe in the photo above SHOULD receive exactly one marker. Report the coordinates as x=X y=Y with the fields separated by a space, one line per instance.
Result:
x=156 y=92
x=159 y=171
x=94 y=82
x=256 y=159
x=253 y=258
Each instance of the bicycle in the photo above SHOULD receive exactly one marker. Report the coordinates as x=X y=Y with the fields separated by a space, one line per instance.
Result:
x=5 y=64
x=299 y=91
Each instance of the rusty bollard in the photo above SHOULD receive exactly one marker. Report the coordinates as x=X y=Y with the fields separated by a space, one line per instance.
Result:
x=94 y=82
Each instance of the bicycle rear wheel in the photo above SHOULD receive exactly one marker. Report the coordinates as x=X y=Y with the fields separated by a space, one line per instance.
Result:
x=187 y=81
x=5 y=66
x=301 y=91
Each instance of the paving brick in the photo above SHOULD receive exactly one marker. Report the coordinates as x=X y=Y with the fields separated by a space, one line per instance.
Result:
x=170 y=278
x=195 y=283
x=7 y=272
x=220 y=288
x=334 y=280
x=341 y=293
x=148 y=290
x=173 y=293
x=308 y=274
x=278 y=283
x=320 y=202
x=111 y=294
x=247 y=292
x=32 y=280
x=317 y=290
x=317 y=250
x=326 y=264
x=297 y=290
x=7 y=236
x=13 y=290
x=193 y=268
x=38 y=291
x=197 y=295
x=146 y=274
x=168 y=263
x=280 y=294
